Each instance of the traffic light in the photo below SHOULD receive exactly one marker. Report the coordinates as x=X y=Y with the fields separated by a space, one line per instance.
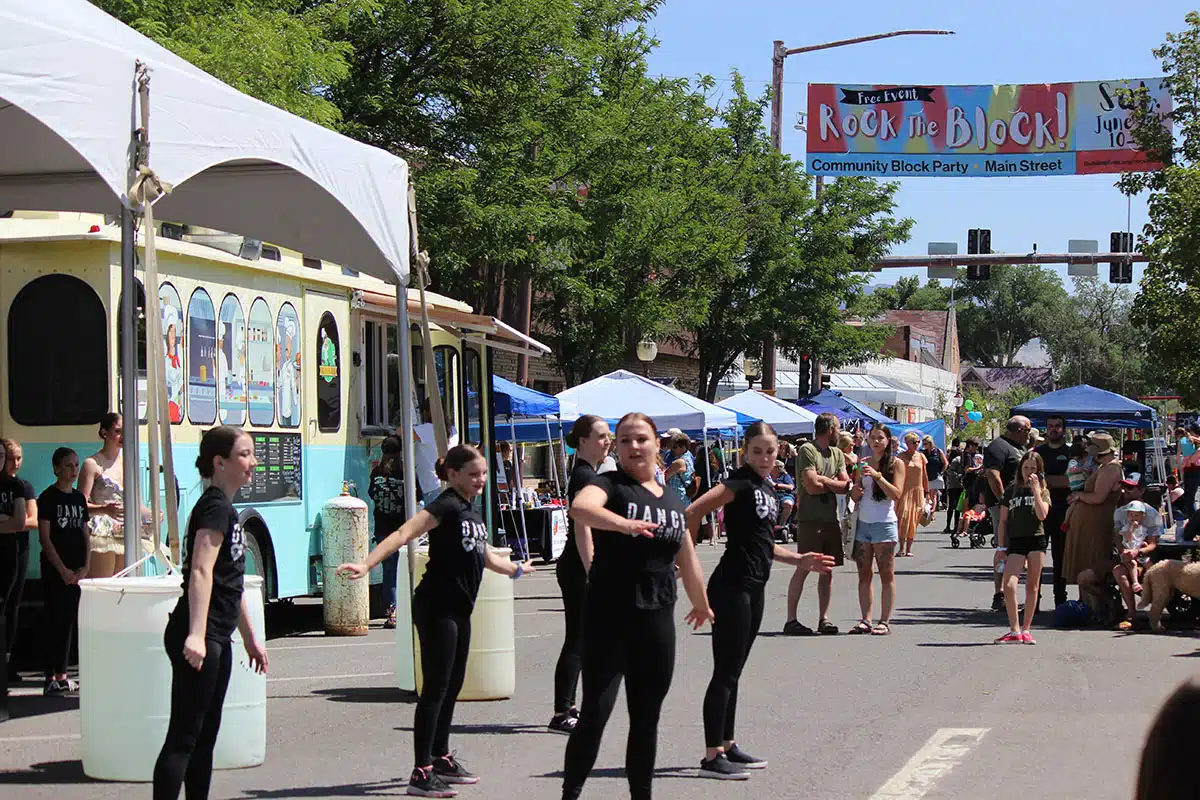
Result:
x=1120 y=271
x=804 y=377
x=826 y=380
x=979 y=242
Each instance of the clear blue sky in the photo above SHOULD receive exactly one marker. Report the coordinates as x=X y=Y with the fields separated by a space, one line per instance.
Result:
x=1060 y=41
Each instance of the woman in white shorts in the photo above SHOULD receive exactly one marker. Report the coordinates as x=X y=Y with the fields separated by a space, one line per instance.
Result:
x=877 y=487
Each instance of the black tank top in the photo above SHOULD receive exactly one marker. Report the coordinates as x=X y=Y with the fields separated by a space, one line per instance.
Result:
x=750 y=523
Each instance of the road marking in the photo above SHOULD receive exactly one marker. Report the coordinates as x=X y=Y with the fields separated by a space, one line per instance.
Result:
x=942 y=753
x=50 y=737
x=330 y=677
x=331 y=644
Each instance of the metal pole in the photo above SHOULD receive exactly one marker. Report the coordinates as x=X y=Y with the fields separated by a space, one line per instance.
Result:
x=130 y=452
x=778 y=54
x=404 y=343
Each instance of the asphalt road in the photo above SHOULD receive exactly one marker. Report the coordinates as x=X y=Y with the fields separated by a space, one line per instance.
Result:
x=934 y=710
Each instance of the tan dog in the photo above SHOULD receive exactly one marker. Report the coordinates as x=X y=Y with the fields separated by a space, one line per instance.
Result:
x=1162 y=580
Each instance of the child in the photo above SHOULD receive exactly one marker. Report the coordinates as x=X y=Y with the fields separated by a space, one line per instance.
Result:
x=1022 y=539
x=66 y=556
x=387 y=493
x=1079 y=469
x=785 y=492
x=1133 y=536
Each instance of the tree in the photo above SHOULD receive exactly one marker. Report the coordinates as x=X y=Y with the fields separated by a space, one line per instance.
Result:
x=285 y=52
x=909 y=295
x=995 y=409
x=1097 y=343
x=1166 y=305
x=791 y=270
x=999 y=316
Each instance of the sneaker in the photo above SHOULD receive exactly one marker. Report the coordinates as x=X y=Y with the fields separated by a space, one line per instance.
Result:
x=425 y=783
x=449 y=770
x=721 y=769
x=389 y=624
x=1010 y=638
x=574 y=712
x=794 y=627
x=563 y=723
x=740 y=757
x=1027 y=638
x=998 y=601
x=53 y=688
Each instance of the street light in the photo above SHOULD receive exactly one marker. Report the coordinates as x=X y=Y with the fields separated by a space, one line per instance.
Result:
x=647 y=351
x=779 y=52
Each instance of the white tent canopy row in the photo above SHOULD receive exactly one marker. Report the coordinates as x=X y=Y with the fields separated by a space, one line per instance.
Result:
x=614 y=395
x=68 y=108
x=788 y=419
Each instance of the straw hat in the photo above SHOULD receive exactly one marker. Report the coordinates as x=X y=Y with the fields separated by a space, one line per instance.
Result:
x=1100 y=444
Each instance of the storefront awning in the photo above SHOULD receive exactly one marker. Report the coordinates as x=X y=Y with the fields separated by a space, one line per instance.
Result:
x=876 y=389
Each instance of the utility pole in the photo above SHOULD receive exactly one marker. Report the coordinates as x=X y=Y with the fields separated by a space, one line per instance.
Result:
x=779 y=53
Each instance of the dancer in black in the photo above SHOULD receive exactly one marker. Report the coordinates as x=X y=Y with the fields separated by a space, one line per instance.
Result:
x=17 y=500
x=591 y=439
x=441 y=608
x=199 y=633
x=639 y=532
x=736 y=589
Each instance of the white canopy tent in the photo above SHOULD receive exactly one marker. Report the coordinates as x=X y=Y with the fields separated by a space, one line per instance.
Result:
x=788 y=419
x=69 y=112
x=616 y=394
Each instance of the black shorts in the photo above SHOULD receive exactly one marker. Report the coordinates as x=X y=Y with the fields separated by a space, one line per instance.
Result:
x=1026 y=545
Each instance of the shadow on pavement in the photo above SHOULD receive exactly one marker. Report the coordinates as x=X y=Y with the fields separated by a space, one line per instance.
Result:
x=36 y=705
x=975 y=574
x=366 y=694
x=941 y=615
x=375 y=788
x=46 y=773
x=492 y=729
x=619 y=772
x=955 y=644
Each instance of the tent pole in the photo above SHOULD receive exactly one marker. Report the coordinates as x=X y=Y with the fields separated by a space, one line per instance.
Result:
x=404 y=343
x=130 y=452
x=550 y=455
x=520 y=487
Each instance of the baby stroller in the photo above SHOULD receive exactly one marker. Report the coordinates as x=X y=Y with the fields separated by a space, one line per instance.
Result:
x=979 y=528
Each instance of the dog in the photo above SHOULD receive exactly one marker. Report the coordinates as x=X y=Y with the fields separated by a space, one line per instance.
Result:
x=1162 y=580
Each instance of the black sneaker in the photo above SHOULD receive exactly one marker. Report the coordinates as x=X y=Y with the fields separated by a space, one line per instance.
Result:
x=794 y=627
x=741 y=758
x=449 y=770
x=827 y=628
x=563 y=723
x=574 y=712
x=53 y=688
x=721 y=769
x=998 y=601
x=424 y=782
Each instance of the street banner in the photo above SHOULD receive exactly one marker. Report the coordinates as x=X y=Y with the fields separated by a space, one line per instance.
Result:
x=976 y=131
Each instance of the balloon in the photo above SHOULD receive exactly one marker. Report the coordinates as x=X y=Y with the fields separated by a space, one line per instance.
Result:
x=975 y=416
x=969 y=405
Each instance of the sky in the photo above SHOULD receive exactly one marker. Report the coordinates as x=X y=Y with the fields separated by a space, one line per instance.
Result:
x=1061 y=42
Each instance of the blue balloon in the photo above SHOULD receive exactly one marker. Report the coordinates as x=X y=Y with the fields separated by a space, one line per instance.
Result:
x=975 y=416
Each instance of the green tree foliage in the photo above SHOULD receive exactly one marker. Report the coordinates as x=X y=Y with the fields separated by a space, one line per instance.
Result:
x=791 y=267
x=908 y=294
x=285 y=52
x=1096 y=343
x=1169 y=296
x=996 y=410
x=999 y=316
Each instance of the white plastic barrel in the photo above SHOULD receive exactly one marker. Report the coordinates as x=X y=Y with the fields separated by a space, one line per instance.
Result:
x=492 y=659
x=344 y=532
x=125 y=680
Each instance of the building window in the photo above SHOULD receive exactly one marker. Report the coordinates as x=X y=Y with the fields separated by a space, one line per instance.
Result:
x=329 y=376
x=474 y=398
x=311 y=263
x=445 y=366
x=287 y=367
x=271 y=253
x=141 y=351
x=202 y=359
x=173 y=349
x=231 y=361
x=260 y=367
x=57 y=353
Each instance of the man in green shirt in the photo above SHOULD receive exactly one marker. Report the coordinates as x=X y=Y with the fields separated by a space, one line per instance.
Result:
x=822 y=471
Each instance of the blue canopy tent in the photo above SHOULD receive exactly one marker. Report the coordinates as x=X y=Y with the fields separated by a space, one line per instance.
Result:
x=845 y=408
x=935 y=428
x=1086 y=406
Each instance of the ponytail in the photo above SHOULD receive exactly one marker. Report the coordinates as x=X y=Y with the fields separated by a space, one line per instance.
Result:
x=886 y=464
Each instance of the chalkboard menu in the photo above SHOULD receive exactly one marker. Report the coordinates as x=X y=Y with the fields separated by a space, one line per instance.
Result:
x=279 y=474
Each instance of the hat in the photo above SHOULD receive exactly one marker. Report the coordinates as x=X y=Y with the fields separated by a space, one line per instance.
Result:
x=1134 y=479
x=778 y=463
x=673 y=433
x=1135 y=505
x=1100 y=444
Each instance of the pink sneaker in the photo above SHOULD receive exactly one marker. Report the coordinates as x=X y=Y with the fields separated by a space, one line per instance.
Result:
x=1010 y=638
x=1027 y=638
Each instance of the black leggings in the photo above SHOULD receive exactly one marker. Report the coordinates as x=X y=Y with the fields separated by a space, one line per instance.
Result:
x=737 y=616
x=952 y=496
x=445 y=641
x=14 y=563
x=572 y=580
x=62 y=609
x=639 y=646
x=197 y=697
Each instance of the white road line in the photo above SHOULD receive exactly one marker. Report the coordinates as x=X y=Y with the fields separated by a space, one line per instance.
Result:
x=51 y=737
x=343 y=643
x=942 y=753
x=329 y=677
